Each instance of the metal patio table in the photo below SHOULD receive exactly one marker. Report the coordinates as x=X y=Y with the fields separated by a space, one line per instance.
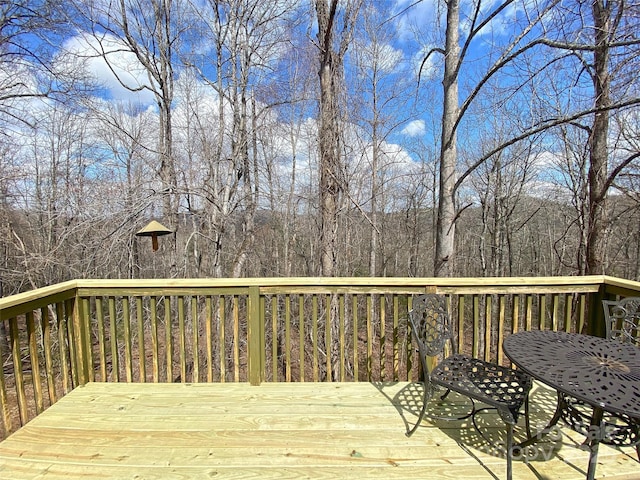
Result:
x=604 y=374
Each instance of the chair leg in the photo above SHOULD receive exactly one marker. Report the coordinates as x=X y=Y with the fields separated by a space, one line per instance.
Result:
x=509 y=451
x=638 y=450
x=425 y=401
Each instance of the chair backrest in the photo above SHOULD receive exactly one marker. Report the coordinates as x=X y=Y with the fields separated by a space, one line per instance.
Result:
x=429 y=319
x=622 y=319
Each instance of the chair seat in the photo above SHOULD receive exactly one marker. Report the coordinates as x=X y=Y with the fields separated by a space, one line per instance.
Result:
x=499 y=387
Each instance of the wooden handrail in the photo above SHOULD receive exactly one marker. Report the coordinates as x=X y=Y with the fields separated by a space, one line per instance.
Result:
x=21 y=303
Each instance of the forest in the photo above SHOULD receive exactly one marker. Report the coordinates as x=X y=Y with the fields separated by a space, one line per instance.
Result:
x=318 y=138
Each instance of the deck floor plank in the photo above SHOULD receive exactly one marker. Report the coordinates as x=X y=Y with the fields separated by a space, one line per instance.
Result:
x=279 y=431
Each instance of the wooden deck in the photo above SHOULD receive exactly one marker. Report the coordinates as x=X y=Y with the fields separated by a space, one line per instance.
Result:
x=299 y=430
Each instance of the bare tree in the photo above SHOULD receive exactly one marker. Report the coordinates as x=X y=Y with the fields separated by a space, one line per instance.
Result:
x=609 y=35
x=453 y=112
x=28 y=32
x=291 y=93
x=122 y=130
x=501 y=184
x=383 y=89
x=605 y=49
x=606 y=17
x=245 y=38
x=150 y=31
x=573 y=165
x=335 y=30
x=55 y=198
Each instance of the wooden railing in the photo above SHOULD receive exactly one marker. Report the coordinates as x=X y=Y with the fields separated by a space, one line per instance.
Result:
x=293 y=329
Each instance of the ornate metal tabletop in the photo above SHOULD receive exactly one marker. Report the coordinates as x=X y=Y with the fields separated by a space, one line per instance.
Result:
x=603 y=373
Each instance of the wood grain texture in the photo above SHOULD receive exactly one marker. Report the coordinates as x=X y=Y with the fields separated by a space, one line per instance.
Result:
x=278 y=431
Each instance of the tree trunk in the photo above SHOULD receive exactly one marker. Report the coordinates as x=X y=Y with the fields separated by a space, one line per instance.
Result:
x=328 y=138
x=169 y=180
x=330 y=187
x=249 y=176
x=445 y=226
x=375 y=235
x=598 y=152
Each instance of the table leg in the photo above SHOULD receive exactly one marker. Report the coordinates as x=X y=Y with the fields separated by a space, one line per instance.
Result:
x=550 y=426
x=595 y=435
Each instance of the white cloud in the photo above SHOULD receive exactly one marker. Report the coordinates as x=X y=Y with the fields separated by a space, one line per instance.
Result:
x=109 y=62
x=415 y=128
x=413 y=17
x=398 y=155
x=384 y=56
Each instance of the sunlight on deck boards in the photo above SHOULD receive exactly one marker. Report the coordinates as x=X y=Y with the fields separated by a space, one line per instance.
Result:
x=276 y=430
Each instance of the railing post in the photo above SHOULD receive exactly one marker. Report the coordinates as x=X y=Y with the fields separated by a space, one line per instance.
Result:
x=81 y=339
x=595 y=314
x=256 y=335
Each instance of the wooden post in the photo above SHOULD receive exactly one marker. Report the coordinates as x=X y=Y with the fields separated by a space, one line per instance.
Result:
x=18 y=374
x=81 y=339
x=256 y=336
x=595 y=314
x=263 y=337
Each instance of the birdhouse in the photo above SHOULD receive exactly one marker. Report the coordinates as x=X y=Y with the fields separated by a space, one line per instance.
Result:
x=154 y=230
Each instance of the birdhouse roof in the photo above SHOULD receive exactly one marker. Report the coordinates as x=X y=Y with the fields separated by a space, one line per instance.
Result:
x=154 y=228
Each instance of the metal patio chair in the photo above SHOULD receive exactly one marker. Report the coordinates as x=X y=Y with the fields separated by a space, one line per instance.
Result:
x=622 y=321
x=493 y=385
